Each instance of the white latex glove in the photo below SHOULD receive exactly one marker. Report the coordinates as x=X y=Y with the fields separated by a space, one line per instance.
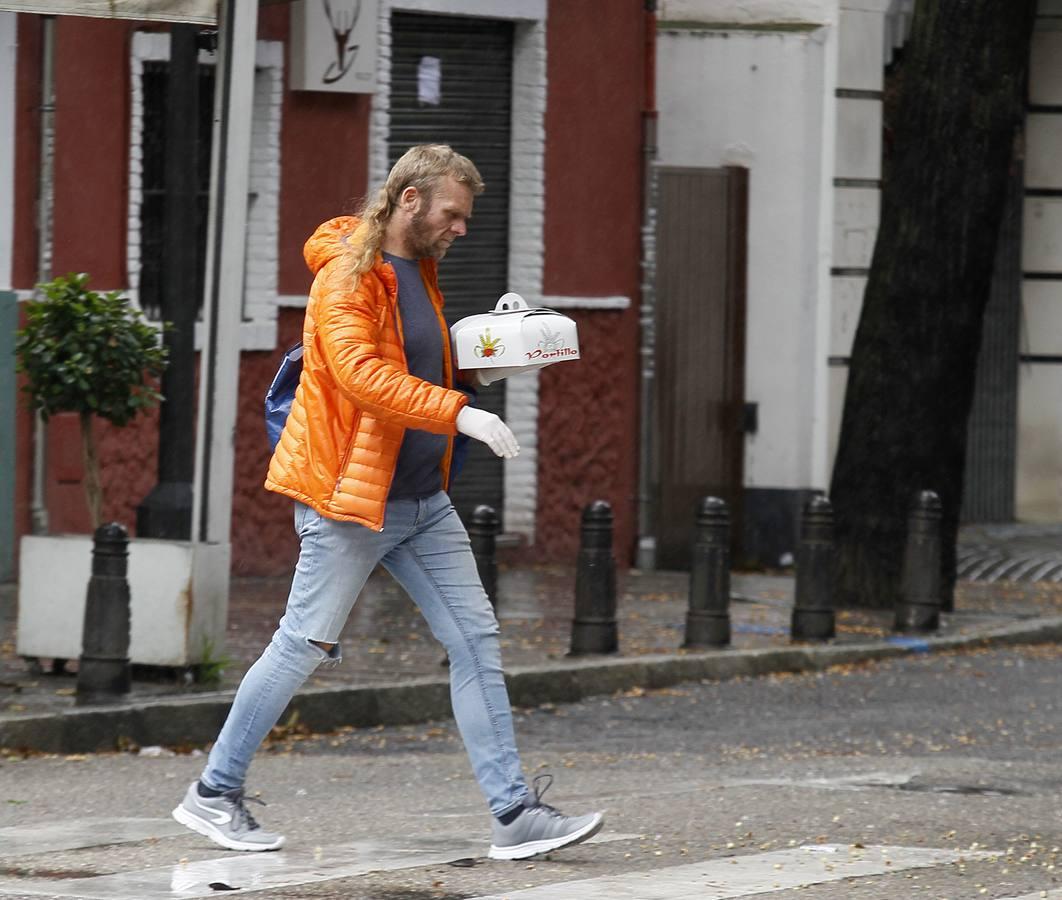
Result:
x=486 y=427
x=489 y=376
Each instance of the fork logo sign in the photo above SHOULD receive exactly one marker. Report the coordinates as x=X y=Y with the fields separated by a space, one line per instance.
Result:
x=333 y=45
x=551 y=347
x=342 y=21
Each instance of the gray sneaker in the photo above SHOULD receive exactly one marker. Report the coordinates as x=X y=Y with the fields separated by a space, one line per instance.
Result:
x=225 y=820
x=540 y=828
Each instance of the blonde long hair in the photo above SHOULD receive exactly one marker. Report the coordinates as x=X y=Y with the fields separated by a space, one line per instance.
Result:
x=421 y=167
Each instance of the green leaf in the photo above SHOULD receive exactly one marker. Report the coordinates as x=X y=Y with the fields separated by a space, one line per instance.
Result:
x=84 y=351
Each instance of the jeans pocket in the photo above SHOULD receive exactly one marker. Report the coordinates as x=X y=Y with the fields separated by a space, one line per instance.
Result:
x=305 y=518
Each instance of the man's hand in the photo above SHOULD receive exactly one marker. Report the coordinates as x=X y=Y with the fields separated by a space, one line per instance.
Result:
x=486 y=427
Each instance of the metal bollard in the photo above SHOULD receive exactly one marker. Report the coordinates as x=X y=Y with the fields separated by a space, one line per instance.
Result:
x=104 y=671
x=918 y=609
x=594 y=625
x=813 y=615
x=708 y=618
x=482 y=533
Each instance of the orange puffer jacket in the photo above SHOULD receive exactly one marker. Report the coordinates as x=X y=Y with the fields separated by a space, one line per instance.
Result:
x=356 y=398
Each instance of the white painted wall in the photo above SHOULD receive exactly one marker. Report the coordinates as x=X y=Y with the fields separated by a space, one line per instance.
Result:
x=745 y=12
x=8 y=49
x=758 y=99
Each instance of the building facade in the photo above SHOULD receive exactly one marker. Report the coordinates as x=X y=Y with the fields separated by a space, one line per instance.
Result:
x=547 y=96
x=791 y=93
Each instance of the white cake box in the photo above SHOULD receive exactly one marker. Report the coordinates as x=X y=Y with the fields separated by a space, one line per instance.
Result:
x=514 y=335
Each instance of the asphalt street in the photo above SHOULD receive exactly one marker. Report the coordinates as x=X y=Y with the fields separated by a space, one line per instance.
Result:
x=923 y=777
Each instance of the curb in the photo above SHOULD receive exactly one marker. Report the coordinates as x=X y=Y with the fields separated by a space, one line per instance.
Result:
x=196 y=719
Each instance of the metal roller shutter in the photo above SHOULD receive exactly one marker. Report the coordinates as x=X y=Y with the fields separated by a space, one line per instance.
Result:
x=472 y=116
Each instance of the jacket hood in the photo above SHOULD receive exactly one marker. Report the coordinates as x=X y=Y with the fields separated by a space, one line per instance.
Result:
x=328 y=241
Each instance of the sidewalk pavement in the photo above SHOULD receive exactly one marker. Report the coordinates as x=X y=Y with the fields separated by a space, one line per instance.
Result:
x=393 y=671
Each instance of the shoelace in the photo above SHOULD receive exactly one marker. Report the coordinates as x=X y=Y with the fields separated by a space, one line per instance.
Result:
x=548 y=779
x=239 y=799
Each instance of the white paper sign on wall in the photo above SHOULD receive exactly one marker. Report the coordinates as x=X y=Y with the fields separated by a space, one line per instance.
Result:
x=333 y=45
x=429 y=80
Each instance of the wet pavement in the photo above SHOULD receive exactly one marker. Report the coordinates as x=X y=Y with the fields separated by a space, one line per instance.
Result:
x=386 y=641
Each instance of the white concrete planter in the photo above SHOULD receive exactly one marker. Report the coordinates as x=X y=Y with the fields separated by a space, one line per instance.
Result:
x=178 y=598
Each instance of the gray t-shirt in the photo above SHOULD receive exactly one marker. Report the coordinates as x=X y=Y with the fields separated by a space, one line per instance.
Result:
x=417 y=473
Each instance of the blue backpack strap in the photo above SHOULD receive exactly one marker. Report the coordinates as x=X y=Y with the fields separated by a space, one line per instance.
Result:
x=281 y=393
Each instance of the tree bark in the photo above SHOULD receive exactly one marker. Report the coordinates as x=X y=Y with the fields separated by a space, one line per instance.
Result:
x=914 y=360
x=91 y=464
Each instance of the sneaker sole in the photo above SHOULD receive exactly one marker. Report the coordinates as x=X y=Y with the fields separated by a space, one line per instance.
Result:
x=201 y=826
x=534 y=848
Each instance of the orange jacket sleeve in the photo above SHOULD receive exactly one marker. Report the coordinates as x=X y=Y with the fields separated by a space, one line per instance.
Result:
x=349 y=331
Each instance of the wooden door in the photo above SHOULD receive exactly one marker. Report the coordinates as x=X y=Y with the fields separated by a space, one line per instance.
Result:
x=700 y=350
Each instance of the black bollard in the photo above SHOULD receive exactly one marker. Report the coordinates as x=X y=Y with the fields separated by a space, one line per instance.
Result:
x=708 y=617
x=918 y=609
x=594 y=625
x=104 y=671
x=813 y=615
x=482 y=533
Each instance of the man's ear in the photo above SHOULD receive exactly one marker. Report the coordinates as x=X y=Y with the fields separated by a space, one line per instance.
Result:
x=409 y=199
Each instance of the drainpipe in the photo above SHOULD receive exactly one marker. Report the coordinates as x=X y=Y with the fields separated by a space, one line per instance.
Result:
x=45 y=208
x=646 y=555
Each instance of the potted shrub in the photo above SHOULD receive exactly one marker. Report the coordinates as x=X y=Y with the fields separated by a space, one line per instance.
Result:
x=94 y=354
x=91 y=354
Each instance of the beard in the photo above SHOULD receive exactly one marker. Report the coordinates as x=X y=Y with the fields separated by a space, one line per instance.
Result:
x=422 y=239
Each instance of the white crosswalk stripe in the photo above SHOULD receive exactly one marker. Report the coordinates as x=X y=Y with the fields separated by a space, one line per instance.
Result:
x=258 y=871
x=75 y=834
x=744 y=876
x=714 y=879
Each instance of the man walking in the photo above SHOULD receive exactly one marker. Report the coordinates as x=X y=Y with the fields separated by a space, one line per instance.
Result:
x=365 y=454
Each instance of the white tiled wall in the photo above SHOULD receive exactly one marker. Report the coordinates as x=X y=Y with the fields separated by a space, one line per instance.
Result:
x=846 y=301
x=862 y=37
x=1043 y=161
x=855 y=226
x=1039 y=486
x=858 y=138
x=1042 y=319
x=1039 y=463
x=1045 y=72
x=1041 y=246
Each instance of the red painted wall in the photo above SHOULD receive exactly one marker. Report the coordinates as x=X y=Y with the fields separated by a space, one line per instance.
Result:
x=588 y=446
x=92 y=141
x=27 y=150
x=24 y=243
x=588 y=438
x=324 y=155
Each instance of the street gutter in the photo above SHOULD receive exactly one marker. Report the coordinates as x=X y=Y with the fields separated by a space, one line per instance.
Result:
x=197 y=718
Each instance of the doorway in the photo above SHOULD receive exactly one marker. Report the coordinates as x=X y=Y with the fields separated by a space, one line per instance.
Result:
x=700 y=350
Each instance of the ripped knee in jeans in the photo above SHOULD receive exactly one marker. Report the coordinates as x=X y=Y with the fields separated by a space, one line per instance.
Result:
x=331 y=650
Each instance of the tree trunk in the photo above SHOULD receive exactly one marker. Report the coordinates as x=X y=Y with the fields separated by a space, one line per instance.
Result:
x=91 y=465
x=914 y=360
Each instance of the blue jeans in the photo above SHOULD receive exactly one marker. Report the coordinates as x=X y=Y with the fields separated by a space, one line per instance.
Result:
x=426 y=548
